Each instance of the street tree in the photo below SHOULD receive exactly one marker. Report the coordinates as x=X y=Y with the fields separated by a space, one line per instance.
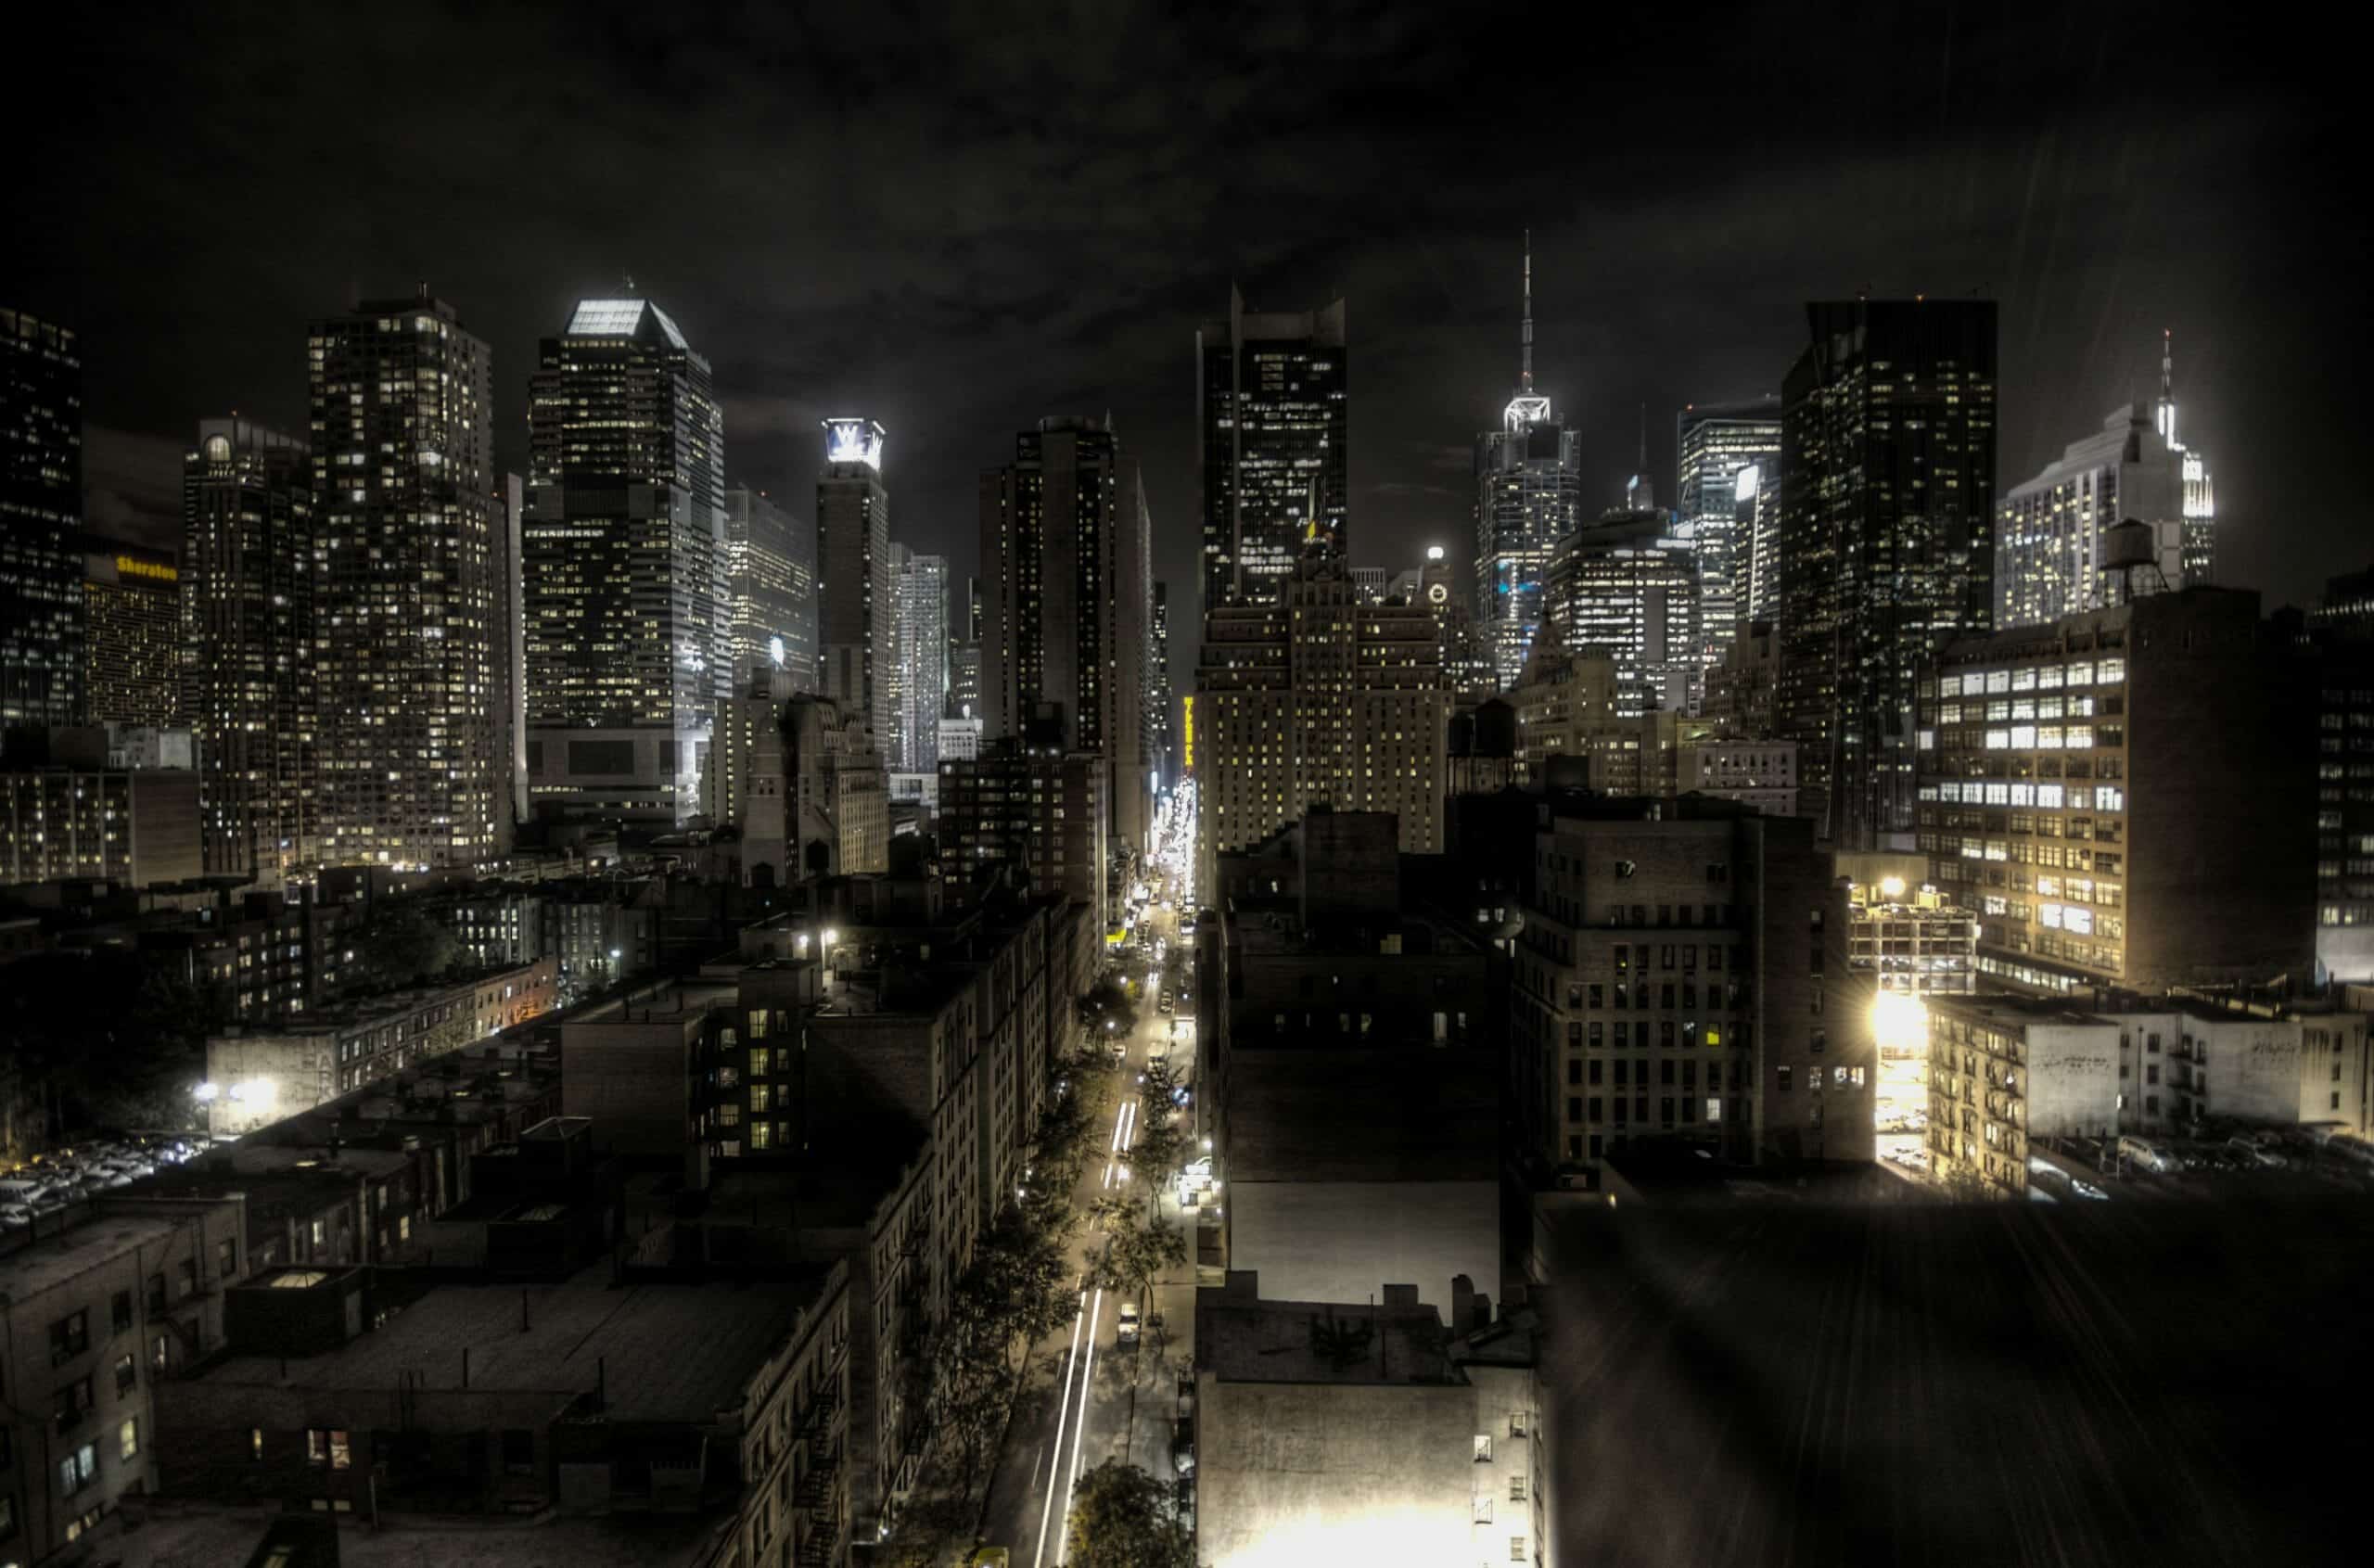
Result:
x=1124 y=1517
x=1139 y=1247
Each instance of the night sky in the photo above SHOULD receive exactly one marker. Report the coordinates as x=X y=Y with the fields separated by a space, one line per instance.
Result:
x=958 y=223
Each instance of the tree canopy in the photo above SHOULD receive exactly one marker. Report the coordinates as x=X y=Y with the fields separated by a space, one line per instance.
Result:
x=1124 y=1517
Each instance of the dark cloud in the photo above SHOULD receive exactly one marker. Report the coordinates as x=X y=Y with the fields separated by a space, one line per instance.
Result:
x=960 y=221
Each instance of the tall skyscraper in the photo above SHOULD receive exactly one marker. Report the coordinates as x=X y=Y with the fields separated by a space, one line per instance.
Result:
x=921 y=590
x=1066 y=550
x=41 y=514
x=510 y=654
x=248 y=596
x=404 y=511
x=1627 y=587
x=2200 y=505
x=131 y=634
x=1274 y=412
x=2049 y=538
x=964 y=654
x=628 y=655
x=1319 y=700
x=1723 y=452
x=854 y=610
x=1529 y=498
x=771 y=585
x=1886 y=540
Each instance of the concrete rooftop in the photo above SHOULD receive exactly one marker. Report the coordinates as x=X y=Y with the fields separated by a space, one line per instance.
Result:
x=668 y=1352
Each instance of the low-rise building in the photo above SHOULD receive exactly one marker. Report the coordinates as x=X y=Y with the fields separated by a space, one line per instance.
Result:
x=1376 y=1431
x=577 y=1395
x=257 y=1073
x=98 y=1305
x=2006 y=1072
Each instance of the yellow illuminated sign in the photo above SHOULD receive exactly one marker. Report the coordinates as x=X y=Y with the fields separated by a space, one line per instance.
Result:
x=125 y=566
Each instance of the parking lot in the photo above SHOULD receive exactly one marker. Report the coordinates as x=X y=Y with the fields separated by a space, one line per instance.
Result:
x=50 y=1181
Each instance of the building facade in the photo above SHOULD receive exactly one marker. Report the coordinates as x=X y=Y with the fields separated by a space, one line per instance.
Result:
x=802 y=781
x=1682 y=980
x=856 y=609
x=922 y=667
x=1629 y=587
x=121 y=1295
x=2049 y=558
x=1318 y=699
x=1722 y=453
x=1885 y=544
x=1273 y=423
x=769 y=585
x=1034 y=807
x=41 y=515
x=628 y=613
x=2125 y=795
x=131 y=634
x=403 y=438
x=135 y=826
x=1067 y=547
x=256 y=1076
x=249 y=597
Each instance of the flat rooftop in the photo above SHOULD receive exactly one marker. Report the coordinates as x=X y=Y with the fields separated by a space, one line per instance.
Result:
x=1247 y=1340
x=2084 y=1386
x=668 y=1352
x=153 y=1533
x=28 y=1266
x=2013 y=1012
x=832 y=1196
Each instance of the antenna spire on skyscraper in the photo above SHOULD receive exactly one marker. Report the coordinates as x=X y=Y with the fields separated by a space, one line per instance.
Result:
x=1524 y=381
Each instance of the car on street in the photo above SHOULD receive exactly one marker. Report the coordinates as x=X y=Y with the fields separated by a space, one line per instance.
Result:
x=1125 y=1328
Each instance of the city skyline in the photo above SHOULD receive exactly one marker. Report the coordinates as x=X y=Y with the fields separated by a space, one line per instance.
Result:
x=2102 y=214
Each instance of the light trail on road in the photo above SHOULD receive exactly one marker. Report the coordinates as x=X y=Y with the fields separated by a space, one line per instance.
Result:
x=1081 y=1358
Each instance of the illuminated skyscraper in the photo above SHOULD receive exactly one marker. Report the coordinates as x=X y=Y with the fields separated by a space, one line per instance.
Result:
x=964 y=654
x=1627 y=586
x=131 y=634
x=854 y=609
x=248 y=551
x=2200 y=505
x=922 y=665
x=1886 y=540
x=771 y=585
x=1319 y=700
x=1722 y=456
x=1528 y=499
x=2048 y=535
x=1065 y=554
x=41 y=513
x=625 y=545
x=1273 y=417
x=404 y=574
